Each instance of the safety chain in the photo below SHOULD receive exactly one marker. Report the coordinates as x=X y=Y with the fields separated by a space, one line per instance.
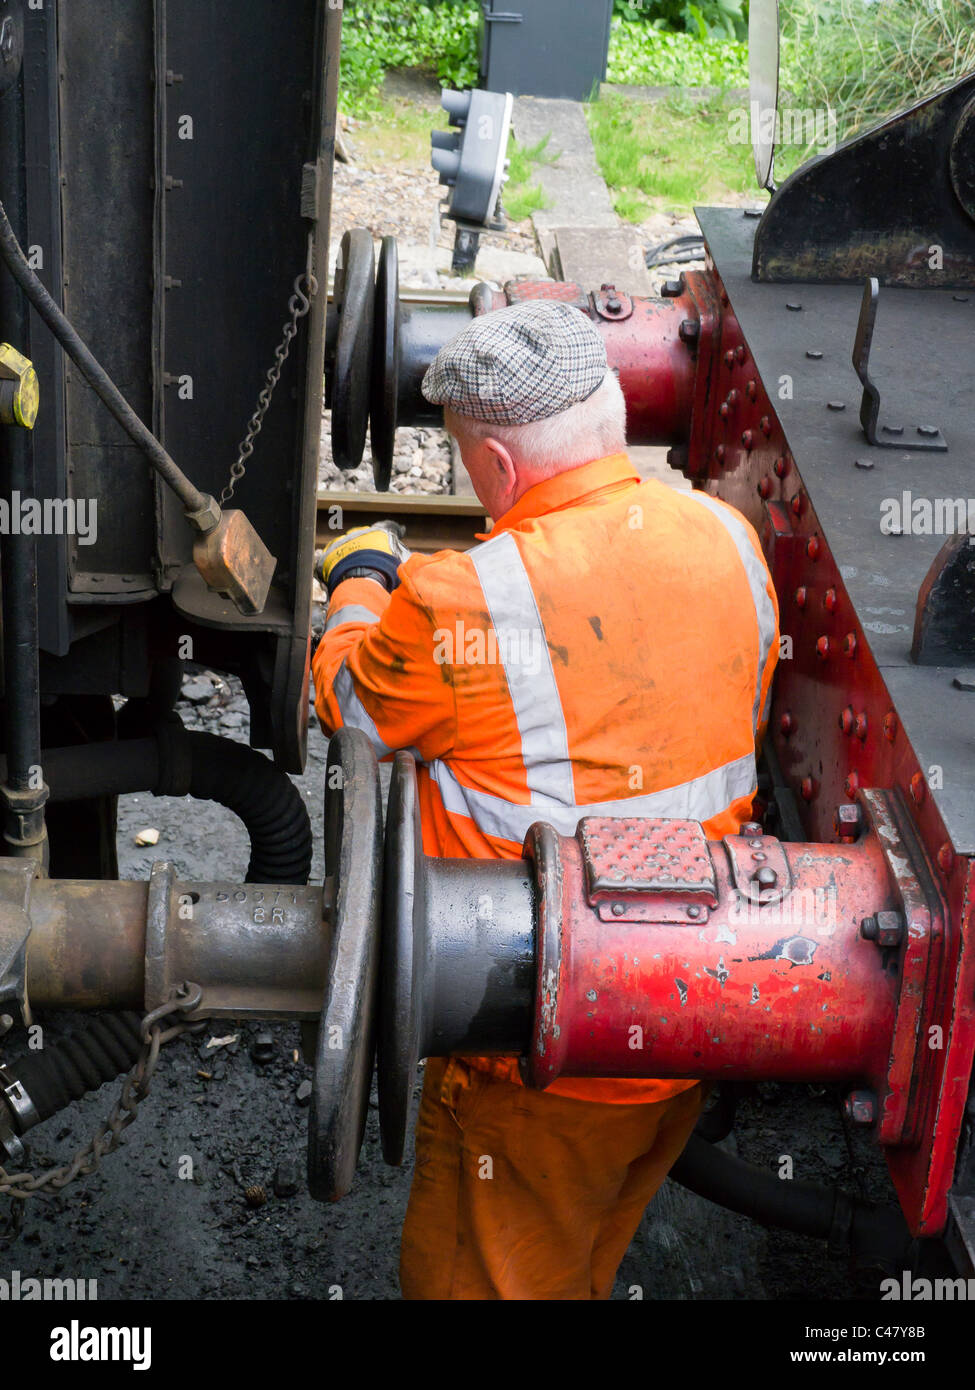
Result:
x=135 y=1088
x=298 y=306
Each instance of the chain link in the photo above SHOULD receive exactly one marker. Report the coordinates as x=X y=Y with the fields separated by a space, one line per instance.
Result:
x=305 y=288
x=135 y=1088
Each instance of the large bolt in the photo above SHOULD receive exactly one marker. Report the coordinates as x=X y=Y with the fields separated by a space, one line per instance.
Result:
x=890 y=928
x=765 y=877
x=847 y=821
x=861 y=1107
x=884 y=929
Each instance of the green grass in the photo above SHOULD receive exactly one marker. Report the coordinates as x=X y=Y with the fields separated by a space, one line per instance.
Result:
x=397 y=132
x=522 y=196
x=668 y=155
x=868 y=60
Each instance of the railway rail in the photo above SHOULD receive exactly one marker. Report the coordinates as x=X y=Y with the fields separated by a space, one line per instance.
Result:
x=432 y=522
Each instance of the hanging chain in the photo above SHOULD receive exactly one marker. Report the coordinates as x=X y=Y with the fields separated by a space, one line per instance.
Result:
x=135 y=1088
x=305 y=289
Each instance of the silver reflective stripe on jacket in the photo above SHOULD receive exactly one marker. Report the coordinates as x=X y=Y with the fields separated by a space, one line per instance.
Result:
x=534 y=693
x=353 y=711
x=351 y=613
x=699 y=799
x=757 y=582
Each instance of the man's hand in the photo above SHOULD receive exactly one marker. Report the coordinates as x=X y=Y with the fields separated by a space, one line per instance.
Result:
x=377 y=551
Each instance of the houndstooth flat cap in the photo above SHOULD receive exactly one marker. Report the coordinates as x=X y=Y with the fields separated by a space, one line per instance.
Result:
x=518 y=365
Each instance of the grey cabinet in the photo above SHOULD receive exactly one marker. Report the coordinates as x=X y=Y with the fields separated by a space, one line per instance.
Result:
x=545 y=48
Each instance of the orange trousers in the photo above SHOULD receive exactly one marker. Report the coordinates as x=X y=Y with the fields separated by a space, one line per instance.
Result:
x=522 y=1195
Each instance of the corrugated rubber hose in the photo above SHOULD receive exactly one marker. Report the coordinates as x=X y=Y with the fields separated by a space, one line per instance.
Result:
x=79 y=1063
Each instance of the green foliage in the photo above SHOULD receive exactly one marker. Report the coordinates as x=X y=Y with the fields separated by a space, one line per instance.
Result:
x=868 y=60
x=442 y=37
x=705 y=19
x=643 y=55
x=382 y=34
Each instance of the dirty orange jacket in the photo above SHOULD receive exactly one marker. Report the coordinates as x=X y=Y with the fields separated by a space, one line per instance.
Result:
x=607 y=650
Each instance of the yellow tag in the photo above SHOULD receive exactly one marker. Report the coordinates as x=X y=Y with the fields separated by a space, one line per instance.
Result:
x=26 y=394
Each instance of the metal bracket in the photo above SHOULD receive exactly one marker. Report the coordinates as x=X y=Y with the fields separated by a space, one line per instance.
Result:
x=760 y=868
x=16 y=877
x=921 y=953
x=931 y=439
x=609 y=304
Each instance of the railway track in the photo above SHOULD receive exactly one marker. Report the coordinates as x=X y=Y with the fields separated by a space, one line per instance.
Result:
x=432 y=522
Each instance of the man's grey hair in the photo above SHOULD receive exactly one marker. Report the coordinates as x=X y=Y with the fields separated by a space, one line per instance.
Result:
x=588 y=430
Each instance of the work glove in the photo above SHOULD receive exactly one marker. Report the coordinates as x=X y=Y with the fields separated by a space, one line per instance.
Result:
x=375 y=551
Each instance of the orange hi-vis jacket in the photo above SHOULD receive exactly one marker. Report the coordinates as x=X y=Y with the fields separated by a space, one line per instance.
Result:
x=607 y=651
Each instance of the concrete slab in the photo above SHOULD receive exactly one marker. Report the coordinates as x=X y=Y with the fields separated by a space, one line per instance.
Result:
x=572 y=183
x=594 y=256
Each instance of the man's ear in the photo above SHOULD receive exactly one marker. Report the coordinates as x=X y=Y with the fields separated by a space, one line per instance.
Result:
x=504 y=462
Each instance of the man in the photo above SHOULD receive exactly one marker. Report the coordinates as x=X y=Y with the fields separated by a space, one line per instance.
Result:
x=607 y=650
